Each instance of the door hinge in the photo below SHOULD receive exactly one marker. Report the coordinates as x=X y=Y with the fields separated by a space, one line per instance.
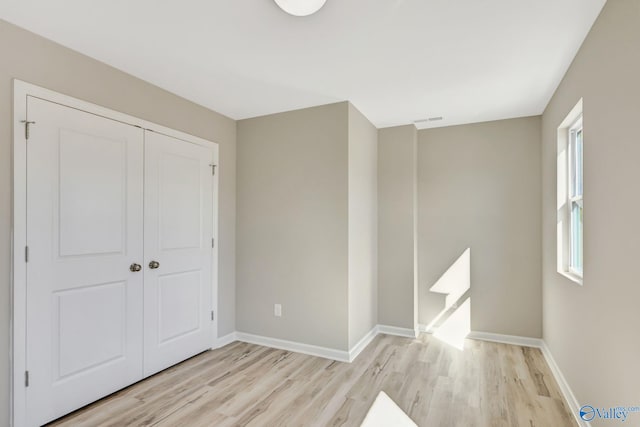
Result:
x=26 y=378
x=213 y=242
x=26 y=127
x=213 y=169
x=212 y=316
x=26 y=254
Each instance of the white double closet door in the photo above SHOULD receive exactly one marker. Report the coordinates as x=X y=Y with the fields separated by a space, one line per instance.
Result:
x=119 y=272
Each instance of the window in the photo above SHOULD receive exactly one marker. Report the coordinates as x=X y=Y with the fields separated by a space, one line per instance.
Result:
x=570 y=206
x=575 y=197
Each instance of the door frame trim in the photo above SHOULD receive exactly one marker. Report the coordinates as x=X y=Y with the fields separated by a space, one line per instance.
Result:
x=21 y=90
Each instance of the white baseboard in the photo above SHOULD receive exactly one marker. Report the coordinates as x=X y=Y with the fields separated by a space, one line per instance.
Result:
x=565 y=389
x=226 y=340
x=314 y=350
x=363 y=343
x=506 y=339
x=296 y=347
x=499 y=338
x=394 y=330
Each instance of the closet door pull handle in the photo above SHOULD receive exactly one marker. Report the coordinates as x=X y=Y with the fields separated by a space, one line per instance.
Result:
x=154 y=264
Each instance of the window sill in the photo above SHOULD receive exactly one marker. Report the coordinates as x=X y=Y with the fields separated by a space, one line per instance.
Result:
x=572 y=276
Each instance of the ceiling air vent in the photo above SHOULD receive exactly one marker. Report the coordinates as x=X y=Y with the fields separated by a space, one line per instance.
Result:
x=430 y=119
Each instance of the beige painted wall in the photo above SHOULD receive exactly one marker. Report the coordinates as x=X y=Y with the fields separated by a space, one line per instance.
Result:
x=292 y=239
x=36 y=60
x=592 y=330
x=479 y=188
x=363 y=226
x=396 y=228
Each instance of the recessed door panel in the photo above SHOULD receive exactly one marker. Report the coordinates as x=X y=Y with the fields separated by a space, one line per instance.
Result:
x=92 y=208
x=178 y=232
x=91 y=328
x=180 y=215
x=84 y=229
x=179 y=306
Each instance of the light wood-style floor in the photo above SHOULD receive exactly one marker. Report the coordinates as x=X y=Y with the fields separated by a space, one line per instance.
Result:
x=486 y=384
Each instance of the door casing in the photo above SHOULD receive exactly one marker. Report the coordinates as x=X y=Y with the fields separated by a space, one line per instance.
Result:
x=21 y=90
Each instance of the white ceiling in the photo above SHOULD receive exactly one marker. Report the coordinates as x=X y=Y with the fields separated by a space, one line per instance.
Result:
x=396 y=60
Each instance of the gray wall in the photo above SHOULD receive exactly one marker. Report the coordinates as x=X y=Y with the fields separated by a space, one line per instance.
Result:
x=592 y=330
x=479 y=188
x=363 y=226
x=396 y=228
x=36 y=60
x=292 y=239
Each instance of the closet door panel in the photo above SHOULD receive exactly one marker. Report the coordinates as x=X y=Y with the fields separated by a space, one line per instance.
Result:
x=178 y=233
x=84 y=230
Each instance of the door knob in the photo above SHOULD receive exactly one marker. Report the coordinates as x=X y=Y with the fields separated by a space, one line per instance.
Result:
x=154 y=264
x=135 y=267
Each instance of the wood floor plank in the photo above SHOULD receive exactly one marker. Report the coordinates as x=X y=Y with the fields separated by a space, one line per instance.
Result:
x=483 y=385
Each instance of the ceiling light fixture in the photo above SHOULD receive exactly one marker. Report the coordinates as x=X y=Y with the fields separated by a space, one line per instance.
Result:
x=300 y=7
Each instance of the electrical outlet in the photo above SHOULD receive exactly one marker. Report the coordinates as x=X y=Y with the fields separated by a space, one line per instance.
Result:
x=277 y=310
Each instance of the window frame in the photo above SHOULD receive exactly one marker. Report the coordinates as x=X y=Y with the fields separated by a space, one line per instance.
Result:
x=575 y=195
x=565 y=196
